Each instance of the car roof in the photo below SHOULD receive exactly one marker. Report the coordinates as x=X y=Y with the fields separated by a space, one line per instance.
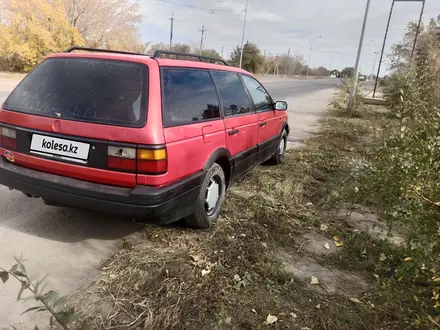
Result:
x=147 y=59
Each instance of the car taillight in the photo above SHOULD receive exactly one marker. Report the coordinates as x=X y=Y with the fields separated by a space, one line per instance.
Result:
x=121 y=158
x=152 y=161
x=8 y=138
x=140 y=160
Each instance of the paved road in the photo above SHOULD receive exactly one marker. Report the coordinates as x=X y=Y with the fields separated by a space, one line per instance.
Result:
x=69 y=244
x=3 y=95
x=288 y=88
x=306 y=100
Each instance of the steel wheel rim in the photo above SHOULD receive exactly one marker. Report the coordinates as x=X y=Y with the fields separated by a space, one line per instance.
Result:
x=282 y=146
x=212 y=195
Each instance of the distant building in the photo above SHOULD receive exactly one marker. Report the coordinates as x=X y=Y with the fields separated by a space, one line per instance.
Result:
x=335 y=74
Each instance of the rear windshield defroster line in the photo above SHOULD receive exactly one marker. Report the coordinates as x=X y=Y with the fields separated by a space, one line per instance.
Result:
x=111 y=92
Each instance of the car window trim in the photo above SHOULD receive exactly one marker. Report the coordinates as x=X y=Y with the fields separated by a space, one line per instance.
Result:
x=162 y=96
x=144 y=100
x=251 y=103
x=271 y=99
x=220 y=101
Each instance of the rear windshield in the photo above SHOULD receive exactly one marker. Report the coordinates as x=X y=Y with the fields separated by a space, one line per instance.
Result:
x=90 y=90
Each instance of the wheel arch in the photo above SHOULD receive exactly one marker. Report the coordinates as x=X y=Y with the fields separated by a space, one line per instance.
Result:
x=222 y=157
x=285 y=126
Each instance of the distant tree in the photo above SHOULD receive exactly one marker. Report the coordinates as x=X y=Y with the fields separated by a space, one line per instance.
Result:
x=252 y=59
x=303 y=71
x=347 y=72
x=180 y=48
x=150 y=48
x=106 y=23
x=401 y=51
x=31 y=29
x=211 y=53
x=290 y=65
x=321 y=72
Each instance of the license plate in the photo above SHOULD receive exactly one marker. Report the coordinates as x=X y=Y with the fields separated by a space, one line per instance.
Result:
x=60 y=148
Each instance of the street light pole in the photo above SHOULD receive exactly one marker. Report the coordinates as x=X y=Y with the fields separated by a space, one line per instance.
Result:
x=358 y=60
x=242 y=34
x=310 y=54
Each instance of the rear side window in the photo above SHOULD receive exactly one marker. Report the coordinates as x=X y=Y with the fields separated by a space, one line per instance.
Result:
x=189 y=96
x=91 y=90
x=260 y=97
x=234 y=98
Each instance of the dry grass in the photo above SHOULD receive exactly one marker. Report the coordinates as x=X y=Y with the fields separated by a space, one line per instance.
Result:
x=158 y=281
x=230 y=276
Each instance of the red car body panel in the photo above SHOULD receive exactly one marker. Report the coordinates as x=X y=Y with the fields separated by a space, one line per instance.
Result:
x=190 y=146
x=246 y=135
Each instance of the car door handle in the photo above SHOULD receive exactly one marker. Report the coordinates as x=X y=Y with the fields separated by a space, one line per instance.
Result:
x=234 y=131
x=263 y=123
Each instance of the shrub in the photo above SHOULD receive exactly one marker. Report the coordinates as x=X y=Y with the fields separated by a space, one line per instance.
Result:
x=400 y=89
x=340 y=100
x=403 y=179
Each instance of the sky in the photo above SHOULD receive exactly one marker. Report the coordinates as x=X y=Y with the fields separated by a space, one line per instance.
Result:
x=277 y=25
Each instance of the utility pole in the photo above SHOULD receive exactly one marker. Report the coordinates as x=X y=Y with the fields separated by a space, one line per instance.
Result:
x=288 y=60
x=358 y=60
x=171 y=30
x=203 y=30
x=276 y=65
x=310 y=54
x=417 y=32
x=242 y=34
x=222 y=52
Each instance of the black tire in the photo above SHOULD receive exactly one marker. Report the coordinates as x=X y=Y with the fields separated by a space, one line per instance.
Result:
x=278 y=157
x=204 y=217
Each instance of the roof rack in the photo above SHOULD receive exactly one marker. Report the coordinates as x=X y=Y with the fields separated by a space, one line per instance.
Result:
x=158 y=54
x=71 y=49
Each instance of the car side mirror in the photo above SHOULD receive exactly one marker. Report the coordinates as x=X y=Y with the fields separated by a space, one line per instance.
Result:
x=280 y=105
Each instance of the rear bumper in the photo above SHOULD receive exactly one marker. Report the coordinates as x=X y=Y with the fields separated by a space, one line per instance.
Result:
x=154 y=204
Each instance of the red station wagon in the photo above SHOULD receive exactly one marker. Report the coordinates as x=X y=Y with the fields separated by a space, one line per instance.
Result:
x=153 y=138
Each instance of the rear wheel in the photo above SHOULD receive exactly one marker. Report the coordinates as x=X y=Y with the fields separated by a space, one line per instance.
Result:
x=278 y=156
x=210 y=199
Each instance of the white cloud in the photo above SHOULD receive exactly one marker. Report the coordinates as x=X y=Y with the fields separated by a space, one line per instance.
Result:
x=277 y=25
